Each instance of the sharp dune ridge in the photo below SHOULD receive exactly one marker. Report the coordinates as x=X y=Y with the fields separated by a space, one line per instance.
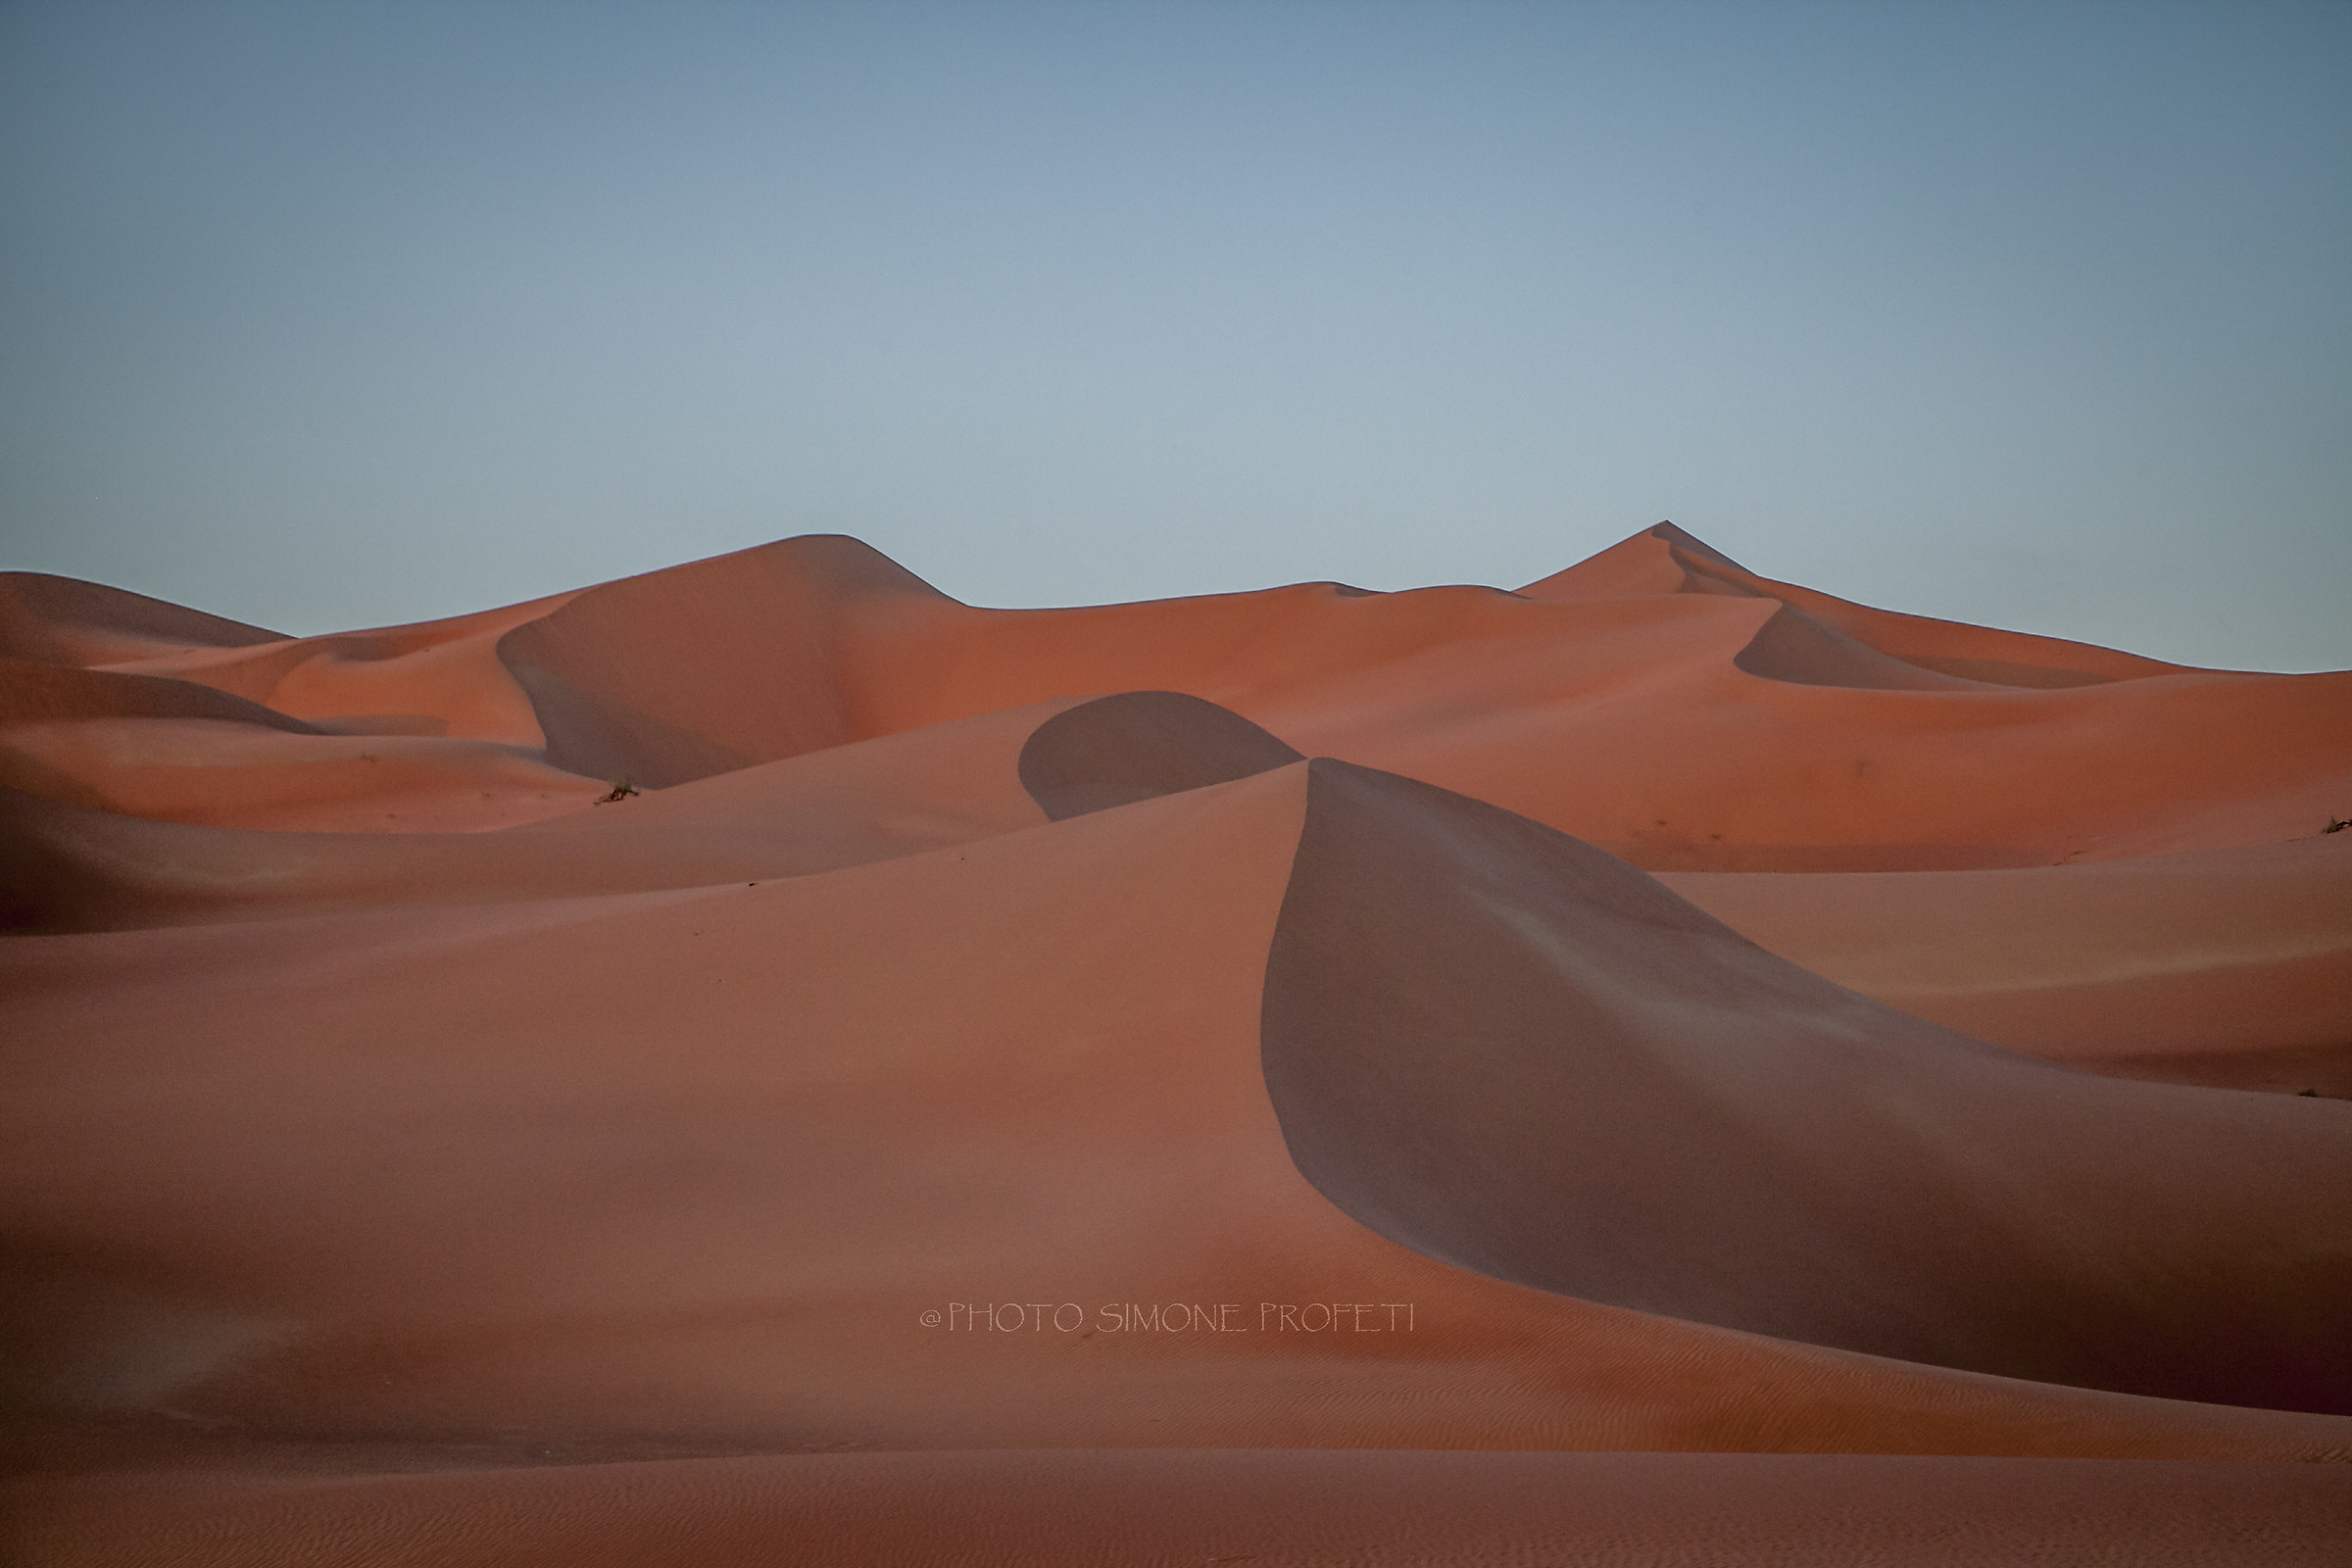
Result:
x=1678 y=1020
x=1500 y=1047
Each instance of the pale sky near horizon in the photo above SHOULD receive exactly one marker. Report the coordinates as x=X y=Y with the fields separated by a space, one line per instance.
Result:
x=2032 y=314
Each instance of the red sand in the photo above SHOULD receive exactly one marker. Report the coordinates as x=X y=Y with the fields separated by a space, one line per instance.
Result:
x=400 y=1149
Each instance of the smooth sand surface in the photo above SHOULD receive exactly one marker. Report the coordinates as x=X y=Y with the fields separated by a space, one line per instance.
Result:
x=75 y=869
x=989 y=1097
x=66 y=621
x=1174 y=1508
x=1501 y=1047
x=2228 y=968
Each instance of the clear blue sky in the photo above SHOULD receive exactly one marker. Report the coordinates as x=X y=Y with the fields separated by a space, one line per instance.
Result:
x=2039 y=314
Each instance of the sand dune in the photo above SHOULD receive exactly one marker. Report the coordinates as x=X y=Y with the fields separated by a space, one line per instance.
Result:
x=411 y=1145
x=1500 y=1047
x=707 y=668
x=405 y=730
x=1666 y=560
x=241 y=775
x=437 y=678
x=34 y=693
x=73 y=869
x=1024 y=1069
x=1723 y=729
x=65 y=621
x=1138 y=746
x=2228 y=968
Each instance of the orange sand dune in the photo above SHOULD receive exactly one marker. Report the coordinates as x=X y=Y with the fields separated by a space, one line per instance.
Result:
x=2230 y=967
x=440 y=677
x=64 y=621
x=75 y=870
x=33 y=692
x=411 y=729
x=1667 y=560
x=1628 y=719
x=1719 y=729
x=1505 y=1049
x=234 y=775
x=988 y=1041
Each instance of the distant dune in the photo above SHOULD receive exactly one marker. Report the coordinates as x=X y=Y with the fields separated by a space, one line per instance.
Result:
x=763 y=1062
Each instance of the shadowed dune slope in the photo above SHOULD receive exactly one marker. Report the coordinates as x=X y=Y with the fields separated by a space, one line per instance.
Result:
x=1667 y=559
x=1794 y=647
x=64 y=620
x=717 y=665
x=402 y=730
x=32 y=692
x=1116 y=751
x=66 y=868
x=1509 y=1050
x=435 y=677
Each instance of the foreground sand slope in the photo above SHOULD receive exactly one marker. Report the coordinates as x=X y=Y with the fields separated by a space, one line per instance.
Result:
x=694 y=1165
x=1176 y=1508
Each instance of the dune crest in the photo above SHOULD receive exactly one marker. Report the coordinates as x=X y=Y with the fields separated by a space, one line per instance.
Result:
x=64 y=621
x=1667 y=559
x=1511 y=1051
x=711 y=666
x=1657 y=701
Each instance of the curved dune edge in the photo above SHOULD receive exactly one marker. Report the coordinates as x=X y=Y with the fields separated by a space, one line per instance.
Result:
x=1667 y=559
x=707 y=667
x=1504 y=1049
x=65 y=869
x=1296 y=1509
x=401 y=730
x=1138 y=746
x=32 y=692
x=1802 y=649
x=438 y=677
x=64 y=620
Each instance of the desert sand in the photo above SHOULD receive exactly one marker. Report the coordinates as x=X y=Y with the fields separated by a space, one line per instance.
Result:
x=763 y=1062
